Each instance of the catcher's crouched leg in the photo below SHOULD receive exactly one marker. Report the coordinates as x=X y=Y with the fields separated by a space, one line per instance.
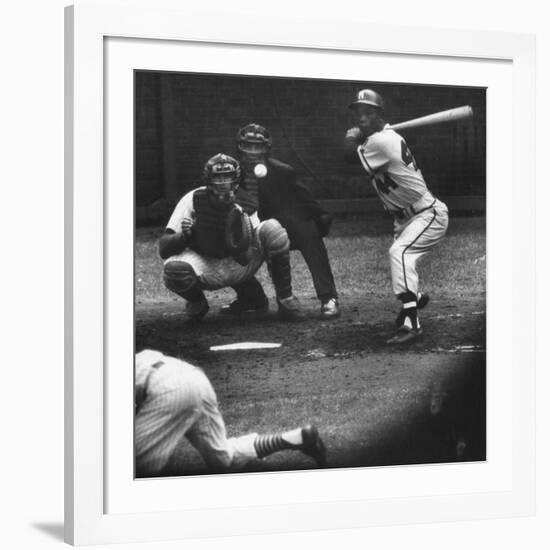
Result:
x=276 y=248
x=180 y=277
x=273 y=238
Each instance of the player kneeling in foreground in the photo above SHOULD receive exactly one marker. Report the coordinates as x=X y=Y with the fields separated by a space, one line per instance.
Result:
x=420 y=220
x=214 y=239
x=274 y=187
x=174 y=398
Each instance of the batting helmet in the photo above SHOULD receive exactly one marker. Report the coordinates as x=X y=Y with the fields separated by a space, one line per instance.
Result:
x=253 y=140
x=368 y=97
x=222 y=176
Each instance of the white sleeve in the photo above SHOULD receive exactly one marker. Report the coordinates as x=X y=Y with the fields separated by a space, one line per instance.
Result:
x=375 y=153
x=184 y=209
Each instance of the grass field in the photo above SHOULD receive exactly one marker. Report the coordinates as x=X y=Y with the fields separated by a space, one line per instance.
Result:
x=373 y=405
x=358 y=250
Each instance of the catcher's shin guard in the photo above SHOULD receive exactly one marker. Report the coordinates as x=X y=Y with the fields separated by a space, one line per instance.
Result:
x=276 y=247
x=279 y=269
x=180 y=277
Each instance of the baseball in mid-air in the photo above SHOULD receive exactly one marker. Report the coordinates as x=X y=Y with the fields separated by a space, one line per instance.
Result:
x=260 y=170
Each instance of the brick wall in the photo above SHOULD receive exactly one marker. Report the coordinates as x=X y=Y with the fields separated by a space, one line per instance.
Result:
x=183 y=119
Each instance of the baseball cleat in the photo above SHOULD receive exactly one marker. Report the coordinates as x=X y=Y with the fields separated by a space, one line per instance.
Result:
x=239 y=307
x=405 y=335
x=197 y=309
x=313 y=446
x=330 y=309
x=290 y=309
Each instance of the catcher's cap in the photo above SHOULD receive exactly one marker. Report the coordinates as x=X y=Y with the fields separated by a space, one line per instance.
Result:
x=221 y=168
x=254 y=133
x=368 y=97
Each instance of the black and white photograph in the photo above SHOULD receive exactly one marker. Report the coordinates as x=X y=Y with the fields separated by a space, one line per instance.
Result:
x=309 y=273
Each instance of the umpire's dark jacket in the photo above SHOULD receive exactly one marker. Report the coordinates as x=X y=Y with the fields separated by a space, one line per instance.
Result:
x=283 y=198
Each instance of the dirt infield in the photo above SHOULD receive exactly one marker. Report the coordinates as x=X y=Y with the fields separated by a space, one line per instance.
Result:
x=374 y=405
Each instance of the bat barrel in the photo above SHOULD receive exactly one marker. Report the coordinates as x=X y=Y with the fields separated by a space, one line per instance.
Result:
x=458 y=113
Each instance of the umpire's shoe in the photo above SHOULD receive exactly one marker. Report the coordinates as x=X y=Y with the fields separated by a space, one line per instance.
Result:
x=290 y=309
x=330 y=309
x=313 y=446
x=198 y=308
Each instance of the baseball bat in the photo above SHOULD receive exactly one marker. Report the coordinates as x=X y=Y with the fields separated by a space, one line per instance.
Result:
x=458 y=113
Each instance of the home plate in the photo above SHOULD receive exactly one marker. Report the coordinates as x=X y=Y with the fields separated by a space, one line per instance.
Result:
x=245 y=345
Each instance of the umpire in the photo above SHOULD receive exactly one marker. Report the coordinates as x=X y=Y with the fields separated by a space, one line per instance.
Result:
x=273 y=184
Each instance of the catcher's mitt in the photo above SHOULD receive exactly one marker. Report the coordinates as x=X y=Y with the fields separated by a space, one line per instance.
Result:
x=238 y=235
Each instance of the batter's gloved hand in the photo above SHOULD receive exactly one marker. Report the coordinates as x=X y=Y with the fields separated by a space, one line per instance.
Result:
x=324 y=222
x=355 y=134
x=238 y=235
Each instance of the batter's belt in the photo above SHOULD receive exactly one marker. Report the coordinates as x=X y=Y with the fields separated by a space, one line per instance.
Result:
x=423 y=203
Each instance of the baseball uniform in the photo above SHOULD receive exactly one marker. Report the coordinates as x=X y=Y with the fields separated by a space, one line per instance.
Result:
x=211 y=262
x=174 y=399
x=420 y=220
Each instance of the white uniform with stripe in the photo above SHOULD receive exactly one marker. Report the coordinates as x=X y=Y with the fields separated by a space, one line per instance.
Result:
x=215 y=273
x=175 y=399
x=421 y=220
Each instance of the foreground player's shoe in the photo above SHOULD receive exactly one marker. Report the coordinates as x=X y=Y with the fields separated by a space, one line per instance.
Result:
x=421 y=303
x=241 y=307
x=313 y=446
x=198 y=308
x=330 y=309
x=290 y=309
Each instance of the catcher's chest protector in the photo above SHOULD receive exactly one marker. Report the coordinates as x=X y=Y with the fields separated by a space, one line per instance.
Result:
x=209 y=229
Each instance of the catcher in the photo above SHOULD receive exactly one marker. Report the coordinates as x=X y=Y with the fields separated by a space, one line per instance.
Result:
x=174 y=399
x=214 y=239
x=272 y=184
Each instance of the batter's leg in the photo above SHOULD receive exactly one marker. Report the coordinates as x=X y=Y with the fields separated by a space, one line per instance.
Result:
x=417 y=239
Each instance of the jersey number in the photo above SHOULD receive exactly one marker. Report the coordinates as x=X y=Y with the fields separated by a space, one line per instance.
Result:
x=384 y=182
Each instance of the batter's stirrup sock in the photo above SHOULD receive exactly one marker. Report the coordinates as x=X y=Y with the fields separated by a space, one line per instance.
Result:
x=279 y=269
x=271 y=443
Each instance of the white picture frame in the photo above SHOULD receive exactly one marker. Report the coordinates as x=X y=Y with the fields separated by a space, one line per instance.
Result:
x=88 y=238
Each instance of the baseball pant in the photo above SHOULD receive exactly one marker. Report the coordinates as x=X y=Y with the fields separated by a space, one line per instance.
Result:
x=414 y=239
x=215 y=273
x=178 y=400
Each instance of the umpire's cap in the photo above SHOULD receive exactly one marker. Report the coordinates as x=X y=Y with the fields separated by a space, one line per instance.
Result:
x=368 y=97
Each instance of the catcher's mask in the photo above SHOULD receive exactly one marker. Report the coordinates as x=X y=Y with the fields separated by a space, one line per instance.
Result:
x=222 y=175
x=253 y=143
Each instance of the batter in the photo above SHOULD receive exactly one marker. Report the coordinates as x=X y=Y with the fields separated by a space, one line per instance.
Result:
x=420 y=219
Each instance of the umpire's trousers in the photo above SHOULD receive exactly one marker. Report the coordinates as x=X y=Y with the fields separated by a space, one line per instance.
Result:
x=305 y=237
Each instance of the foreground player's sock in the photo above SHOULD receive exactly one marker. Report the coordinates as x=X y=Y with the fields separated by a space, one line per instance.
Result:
x=271 y=443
